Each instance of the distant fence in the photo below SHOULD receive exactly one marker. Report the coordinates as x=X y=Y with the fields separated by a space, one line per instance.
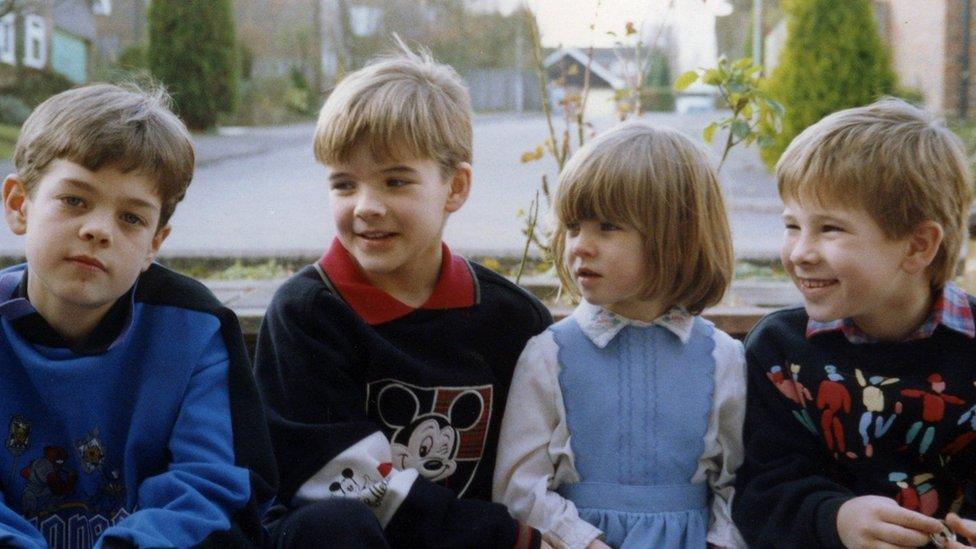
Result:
x=503 y=90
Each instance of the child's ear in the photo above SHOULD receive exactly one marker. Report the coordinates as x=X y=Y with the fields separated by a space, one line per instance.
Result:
x=15 y=203
x=157 y=241
x=460 y=184
x=923 y=243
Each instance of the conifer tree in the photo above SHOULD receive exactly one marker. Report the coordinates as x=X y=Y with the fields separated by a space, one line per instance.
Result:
x=192 y=52
x=833 y=59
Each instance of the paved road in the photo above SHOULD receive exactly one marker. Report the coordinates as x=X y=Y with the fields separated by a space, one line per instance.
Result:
x=258 y=191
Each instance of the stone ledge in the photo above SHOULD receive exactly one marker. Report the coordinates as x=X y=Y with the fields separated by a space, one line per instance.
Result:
x=747 y=302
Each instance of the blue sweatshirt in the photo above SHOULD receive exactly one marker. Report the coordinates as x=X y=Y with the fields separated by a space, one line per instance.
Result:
x=149 y=434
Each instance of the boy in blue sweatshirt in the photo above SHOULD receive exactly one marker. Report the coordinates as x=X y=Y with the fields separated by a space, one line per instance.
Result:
x=128 y=411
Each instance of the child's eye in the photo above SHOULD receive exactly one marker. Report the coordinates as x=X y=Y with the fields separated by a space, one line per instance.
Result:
x=132 y=219
x=607 y=226
x=792 y=227
x=397 y=183
x=831 y=228
x=73 y=201
x=573 y=227
x=343 y=186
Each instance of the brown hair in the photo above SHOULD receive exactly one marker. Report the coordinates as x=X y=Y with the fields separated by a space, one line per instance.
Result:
x=101 y=125
x=401 y=106
x=662 y=184
x=893 y=160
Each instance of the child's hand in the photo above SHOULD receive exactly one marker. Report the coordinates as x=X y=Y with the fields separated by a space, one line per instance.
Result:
x=962 y=527
x=875 y=521
x=597 y=544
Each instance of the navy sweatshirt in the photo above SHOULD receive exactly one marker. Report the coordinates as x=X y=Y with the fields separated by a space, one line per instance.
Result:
x=403 y=412
x=828 y=420
x=149 y=434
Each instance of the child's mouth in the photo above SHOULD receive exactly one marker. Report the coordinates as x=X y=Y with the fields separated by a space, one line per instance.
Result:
x=587 y=274
x=816 y=283
x=376 y=235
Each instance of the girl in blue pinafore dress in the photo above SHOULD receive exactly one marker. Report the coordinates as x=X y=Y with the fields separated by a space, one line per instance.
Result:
x=623 y=424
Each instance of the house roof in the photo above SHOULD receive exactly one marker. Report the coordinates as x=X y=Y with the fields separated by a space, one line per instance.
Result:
x=596 y=66
x=75 y=17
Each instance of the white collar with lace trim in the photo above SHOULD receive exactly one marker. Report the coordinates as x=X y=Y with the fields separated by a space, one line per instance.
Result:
x=601 y=325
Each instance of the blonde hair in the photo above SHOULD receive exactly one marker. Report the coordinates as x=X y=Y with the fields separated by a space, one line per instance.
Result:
x=895 y=161
x=404 y=105
x=100 y=125
x=661 y=183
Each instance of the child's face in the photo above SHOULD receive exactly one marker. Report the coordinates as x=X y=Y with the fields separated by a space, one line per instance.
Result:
x=846 y=267
x=390 y=214
x=609 y=266
x=88 y=235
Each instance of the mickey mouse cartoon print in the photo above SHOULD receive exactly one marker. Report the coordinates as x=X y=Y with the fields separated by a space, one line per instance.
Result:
x=438 y=431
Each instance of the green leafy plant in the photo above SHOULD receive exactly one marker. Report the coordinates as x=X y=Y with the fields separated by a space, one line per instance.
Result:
x=753 y=115
x=193 y=52
x=833 y=59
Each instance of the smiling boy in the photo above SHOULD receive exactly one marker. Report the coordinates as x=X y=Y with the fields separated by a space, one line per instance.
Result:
x=871 y=440
x=385 y=365
x=133 y=419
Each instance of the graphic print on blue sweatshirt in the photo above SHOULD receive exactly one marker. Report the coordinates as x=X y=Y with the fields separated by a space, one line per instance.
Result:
x=70 y=495
x=82 y=433
x=439 y=431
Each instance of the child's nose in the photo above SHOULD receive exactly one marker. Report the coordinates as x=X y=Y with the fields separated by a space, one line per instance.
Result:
x=581 y=245
x=369 y=204
x=97 y=228
x=804 y=251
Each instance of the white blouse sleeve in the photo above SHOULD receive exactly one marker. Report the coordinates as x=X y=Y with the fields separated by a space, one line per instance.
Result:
x=723 y=439
x=534 y=455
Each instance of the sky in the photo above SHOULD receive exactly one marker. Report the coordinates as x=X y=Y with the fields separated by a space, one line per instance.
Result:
x=568 y=22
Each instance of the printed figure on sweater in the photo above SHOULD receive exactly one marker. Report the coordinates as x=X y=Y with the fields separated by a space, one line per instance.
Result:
x=873 y=399
x=919 y=495
x=832 y=399
x=962 y=441
x=355 y=484
x=19 y=436
x=438 y=431
x=795 y=391
x=48 y=481
x=933 y=410
x=111 y=492
x=91 y=452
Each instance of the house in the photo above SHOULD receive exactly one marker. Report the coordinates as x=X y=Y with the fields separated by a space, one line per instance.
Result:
x=932 y=50
x=72 y=35
x=566 y=70
x=120 y=25
x=54 y=35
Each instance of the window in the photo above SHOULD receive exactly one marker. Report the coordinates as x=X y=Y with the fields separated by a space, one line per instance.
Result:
x=35 y=42
x=102 y=7
x=8 y=39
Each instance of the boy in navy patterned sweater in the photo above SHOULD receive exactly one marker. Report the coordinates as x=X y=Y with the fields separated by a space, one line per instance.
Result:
x=862 y=404
x=385 y=365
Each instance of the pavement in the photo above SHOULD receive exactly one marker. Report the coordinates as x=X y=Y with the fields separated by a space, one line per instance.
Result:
x=258 y=192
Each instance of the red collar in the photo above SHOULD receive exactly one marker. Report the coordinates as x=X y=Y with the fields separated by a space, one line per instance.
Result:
x=455 y=288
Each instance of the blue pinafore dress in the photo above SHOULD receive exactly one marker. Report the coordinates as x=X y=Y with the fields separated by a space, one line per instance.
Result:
x=637 y=412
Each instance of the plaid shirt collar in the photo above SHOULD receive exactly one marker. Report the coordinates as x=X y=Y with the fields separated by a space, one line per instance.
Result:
x=601 y=325
x=951 y=310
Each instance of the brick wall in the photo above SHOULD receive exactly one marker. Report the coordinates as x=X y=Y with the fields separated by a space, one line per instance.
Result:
x=917 y=40
x=953 y=68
